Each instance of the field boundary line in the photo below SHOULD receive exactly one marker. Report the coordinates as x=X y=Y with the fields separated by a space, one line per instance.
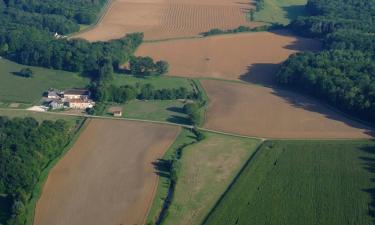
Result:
x=42 y=179
x=156 y=183
x=234 y=180
x=190 y=126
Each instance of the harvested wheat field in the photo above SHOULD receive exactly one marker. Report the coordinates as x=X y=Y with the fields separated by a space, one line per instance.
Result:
x=107 y=177
x=272 y=113
x=248 y=56
x=160 y=19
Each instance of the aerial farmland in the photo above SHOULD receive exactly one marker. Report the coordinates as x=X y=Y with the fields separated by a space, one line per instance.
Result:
x=205 y=112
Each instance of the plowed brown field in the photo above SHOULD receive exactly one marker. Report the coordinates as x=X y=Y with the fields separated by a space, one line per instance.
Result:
x=248 y=56
x=160 y=19
x=107 y=177
x=264 y=112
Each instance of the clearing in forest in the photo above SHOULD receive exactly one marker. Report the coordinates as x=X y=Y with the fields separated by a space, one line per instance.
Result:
x=273 y=113
x=107 y=177
x=161 y=19
x=248 y=56
x=303 y=182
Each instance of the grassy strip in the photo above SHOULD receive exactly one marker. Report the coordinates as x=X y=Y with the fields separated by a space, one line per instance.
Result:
x=279 y=11
x=35 y=195
x=158 y=82
x=185 y=138
x=205 y=170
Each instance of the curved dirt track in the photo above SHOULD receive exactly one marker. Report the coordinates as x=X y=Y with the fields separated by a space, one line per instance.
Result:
x=107 y=177
x=271 y=113
x=160 y=19
x=248 y=56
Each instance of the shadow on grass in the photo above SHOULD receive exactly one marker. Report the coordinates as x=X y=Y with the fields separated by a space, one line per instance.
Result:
x=179 y=120
x=176 y=109
x=162 y=168
x=5 y=208
x=293 y=11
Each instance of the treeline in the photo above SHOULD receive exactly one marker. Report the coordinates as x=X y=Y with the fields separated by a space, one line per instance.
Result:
x=239 y=29
x=27 y=29
x=61 y=16
x=103 y=93
x=37 y=48
x=343 y=74
x=26 y=147
x=145 y=66
x=122 y=94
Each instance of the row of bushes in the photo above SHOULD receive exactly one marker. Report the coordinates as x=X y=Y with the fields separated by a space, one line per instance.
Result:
x=242 y=29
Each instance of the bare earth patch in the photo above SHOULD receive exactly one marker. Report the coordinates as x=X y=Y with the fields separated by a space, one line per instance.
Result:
x=248 y=56
x=107 y=177
x=160 y=19
x=272 y=113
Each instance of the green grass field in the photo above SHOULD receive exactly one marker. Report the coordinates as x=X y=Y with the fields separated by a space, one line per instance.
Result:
x=159 y=110
x=280 y=11
x=303 y=182
x=206 y=169
x=159 y=82
x=29 y=90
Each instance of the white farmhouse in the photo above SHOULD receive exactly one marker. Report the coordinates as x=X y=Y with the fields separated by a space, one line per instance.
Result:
x=76 y=94
x=80 y=103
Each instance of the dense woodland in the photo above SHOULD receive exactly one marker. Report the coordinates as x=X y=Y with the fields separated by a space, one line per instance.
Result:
x=26 y=147
x=27 y=29
x=343 y=74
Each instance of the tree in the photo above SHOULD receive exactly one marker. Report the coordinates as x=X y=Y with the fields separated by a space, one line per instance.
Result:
x=161 y=67
x=141 y=65
x=194 y=112
x=25 y=72
x=105 y=72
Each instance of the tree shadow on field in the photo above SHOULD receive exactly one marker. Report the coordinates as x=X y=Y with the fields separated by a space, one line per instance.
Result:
x=369 y=165
x=162 y=167
x=261 y=73
x=179 y=120
x=311 y=104
x=175 y=109
x=299 y=44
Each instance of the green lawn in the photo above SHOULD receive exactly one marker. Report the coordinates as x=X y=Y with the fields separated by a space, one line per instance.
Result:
x=303 y=182
x=158 y=82
x=29 y=90
x=206 y=169
x=159 y=110
x=280 y=11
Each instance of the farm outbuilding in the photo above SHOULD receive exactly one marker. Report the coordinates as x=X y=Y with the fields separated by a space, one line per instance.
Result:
x=77 y=94
x=117 y=113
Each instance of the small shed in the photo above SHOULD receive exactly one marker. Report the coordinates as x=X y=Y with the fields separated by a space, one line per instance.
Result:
x=117 y=113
